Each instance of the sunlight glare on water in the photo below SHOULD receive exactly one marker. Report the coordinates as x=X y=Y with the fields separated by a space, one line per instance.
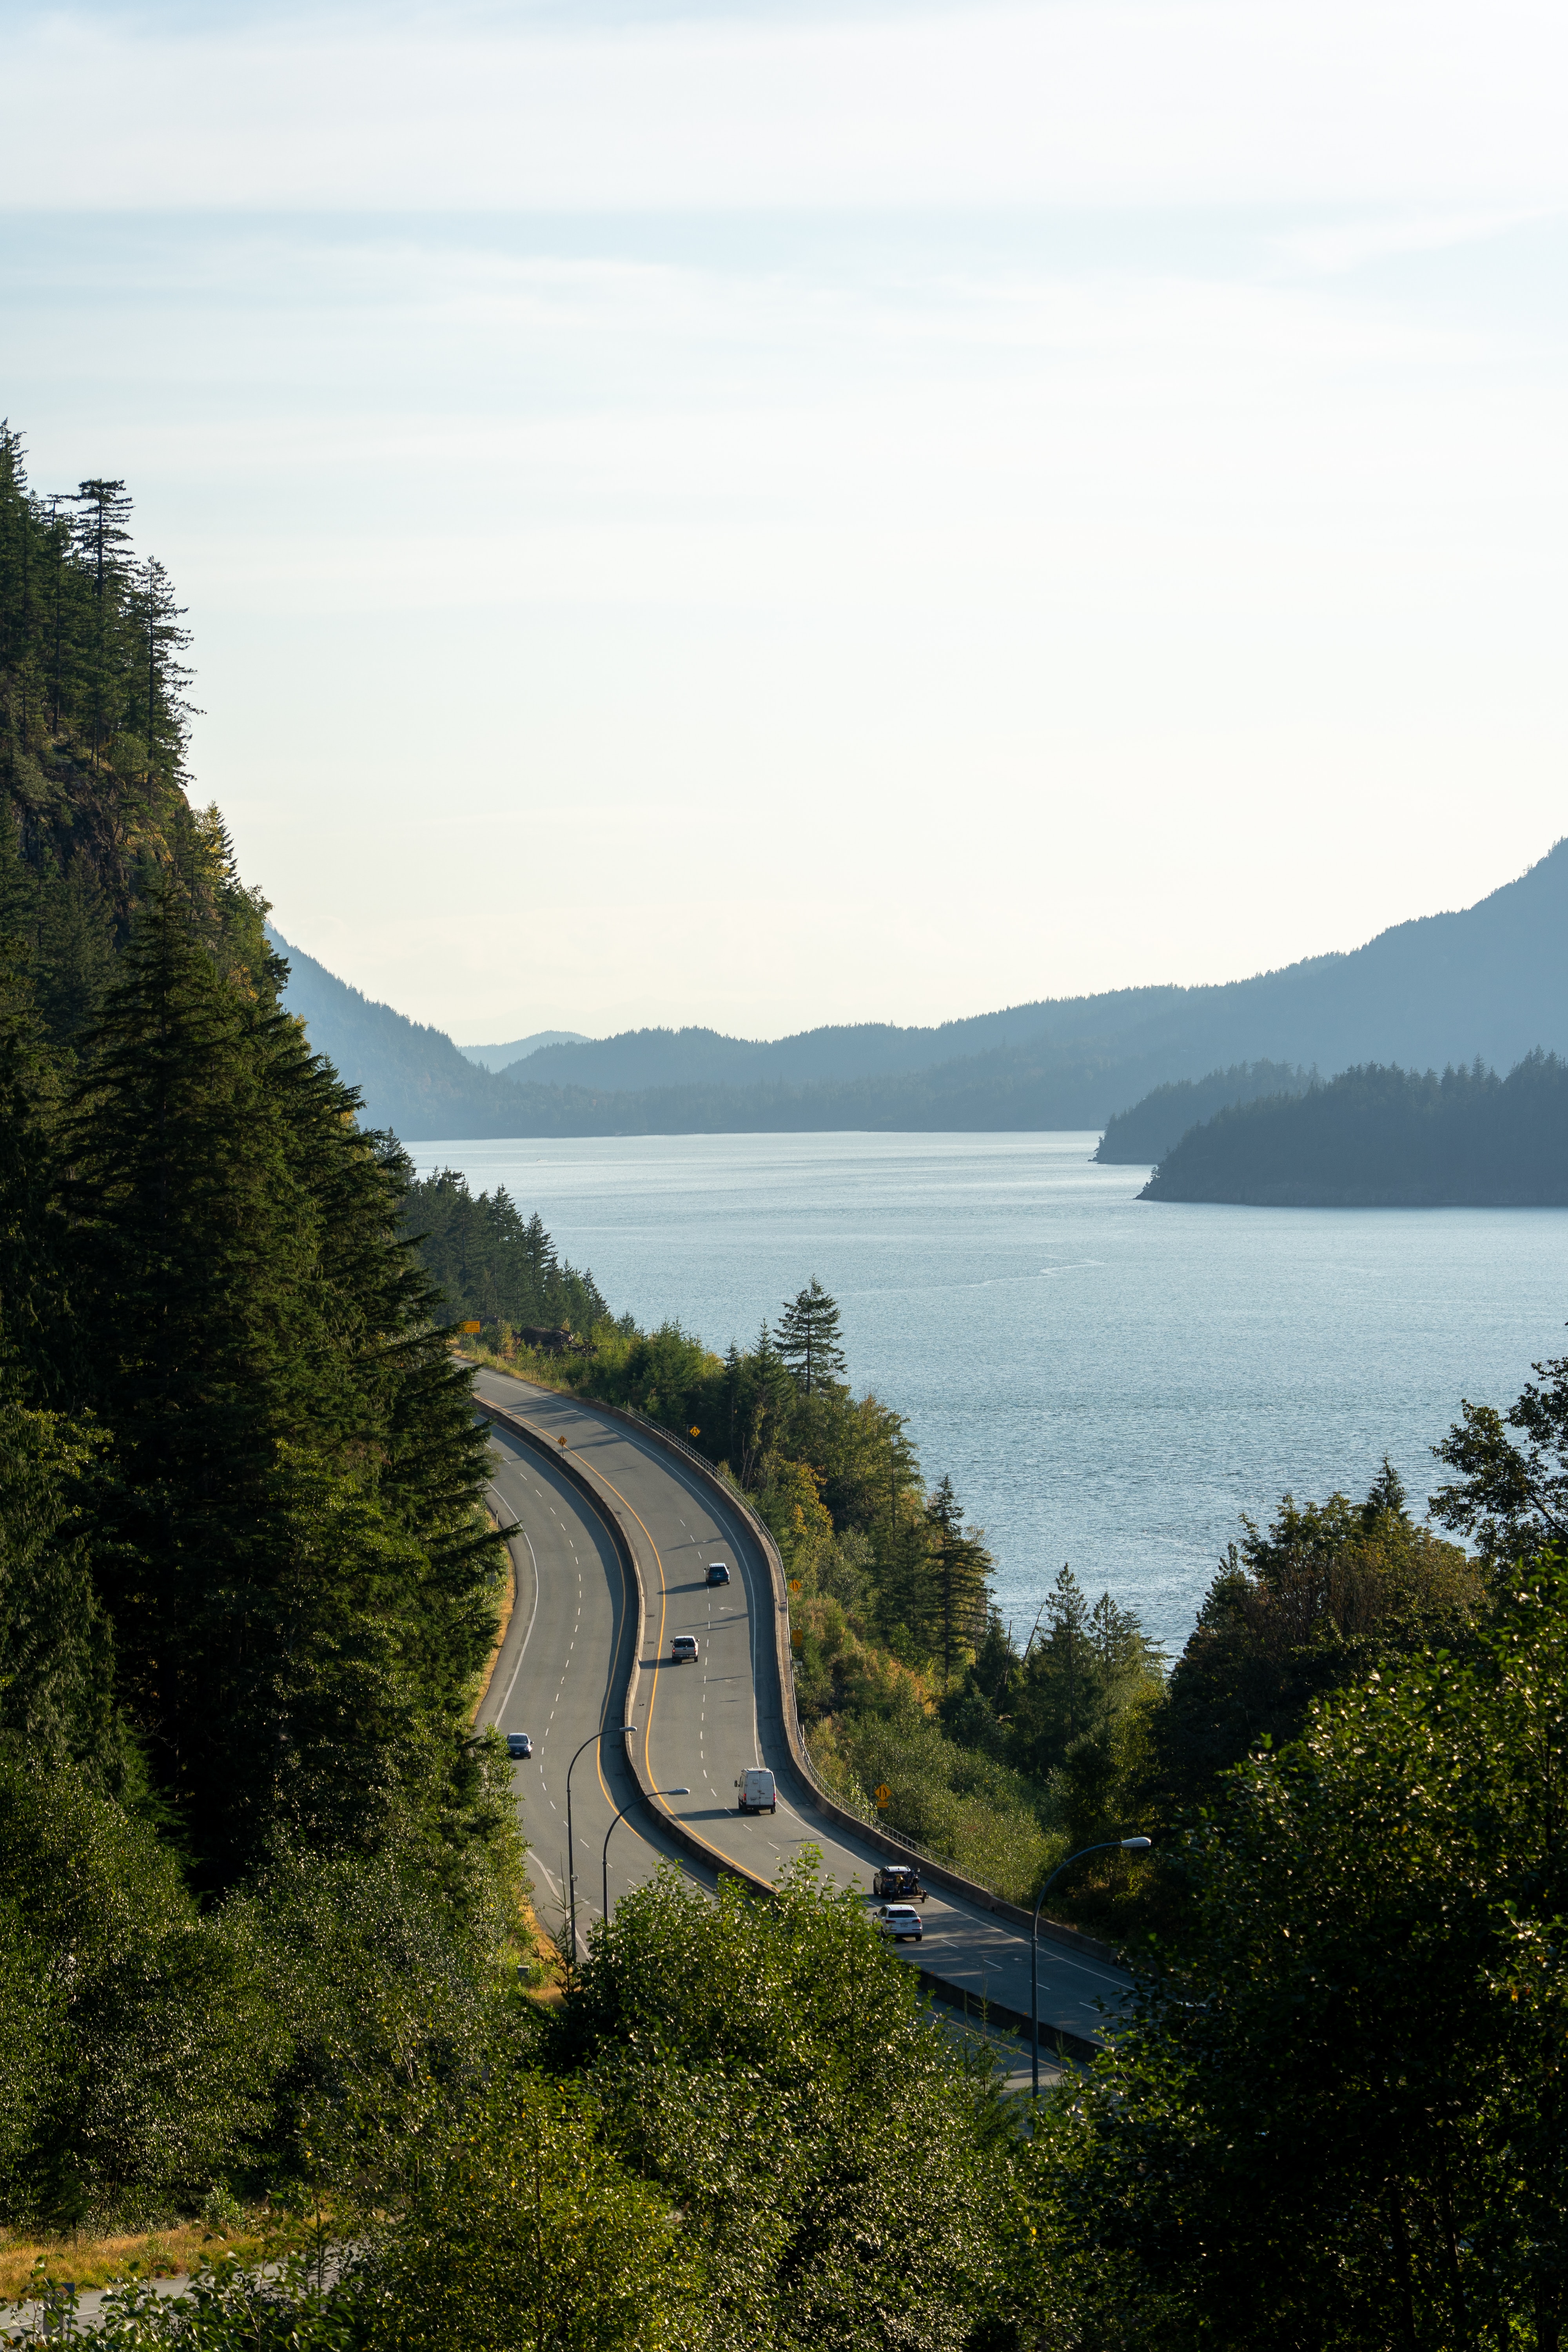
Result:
x=1108 y=1382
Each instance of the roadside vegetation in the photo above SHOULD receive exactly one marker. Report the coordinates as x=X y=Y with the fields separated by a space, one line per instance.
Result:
x=267 y=1968
x=1002 y=1755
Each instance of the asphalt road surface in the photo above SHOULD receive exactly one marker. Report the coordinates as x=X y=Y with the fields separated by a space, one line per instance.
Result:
x=563 y=1671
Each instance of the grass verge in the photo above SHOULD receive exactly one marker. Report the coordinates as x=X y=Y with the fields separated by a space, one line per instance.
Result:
x=30 y=2263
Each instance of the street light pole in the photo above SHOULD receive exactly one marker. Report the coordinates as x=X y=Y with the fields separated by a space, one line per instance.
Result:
x=571 y=1849
x=1132 y=1845
x=610 y=1832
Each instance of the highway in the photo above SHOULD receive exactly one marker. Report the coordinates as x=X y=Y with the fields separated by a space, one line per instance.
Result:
x=562 y=1674
x=561 y=1677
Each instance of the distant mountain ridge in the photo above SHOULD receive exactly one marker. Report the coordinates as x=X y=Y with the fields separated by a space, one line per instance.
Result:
x=413 y=1078
x=1437 y=987
x=1490 y=982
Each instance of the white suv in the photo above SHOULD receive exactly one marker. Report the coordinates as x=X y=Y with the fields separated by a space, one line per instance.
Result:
x=899 y=1920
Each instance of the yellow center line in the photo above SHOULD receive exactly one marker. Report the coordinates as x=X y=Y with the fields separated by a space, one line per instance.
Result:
x=648 y=1727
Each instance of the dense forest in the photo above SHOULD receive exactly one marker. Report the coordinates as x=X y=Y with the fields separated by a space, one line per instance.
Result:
x=489 y=1266
x=1343 y=2059
x=265 y=1944
x=1376 y=1137
x=1140 y=1136
x=269 y=1974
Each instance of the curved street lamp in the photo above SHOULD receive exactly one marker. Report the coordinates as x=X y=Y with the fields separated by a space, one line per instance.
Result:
x=571 y=1849
x=1131 y=1845
x=620 y=1817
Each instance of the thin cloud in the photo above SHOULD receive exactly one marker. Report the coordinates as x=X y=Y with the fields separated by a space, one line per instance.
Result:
x=1082 y=101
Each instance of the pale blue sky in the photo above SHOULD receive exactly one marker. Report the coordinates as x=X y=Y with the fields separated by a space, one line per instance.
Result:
x=770 y=515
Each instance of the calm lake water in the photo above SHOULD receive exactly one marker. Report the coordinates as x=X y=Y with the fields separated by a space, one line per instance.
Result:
x=1108 y=1382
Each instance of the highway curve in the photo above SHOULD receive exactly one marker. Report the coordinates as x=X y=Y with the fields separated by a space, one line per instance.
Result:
x=695 y=1726
x=561 y=1677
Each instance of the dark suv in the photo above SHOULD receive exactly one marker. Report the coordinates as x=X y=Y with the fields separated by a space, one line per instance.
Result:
x=717 y=1572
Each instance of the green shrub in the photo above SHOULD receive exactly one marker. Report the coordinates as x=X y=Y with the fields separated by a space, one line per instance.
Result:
x=957 y=1805
x=146 y=2038
x=844 y=2171
x=523 y=2228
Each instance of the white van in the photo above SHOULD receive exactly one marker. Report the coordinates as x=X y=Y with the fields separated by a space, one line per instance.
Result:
x=758 y=1793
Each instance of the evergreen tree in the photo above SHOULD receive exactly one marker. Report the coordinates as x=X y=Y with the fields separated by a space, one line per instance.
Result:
x=1063 y=1691
x=268 y=1325
x=766 y=1396
x=101 y=535
x=1319 y=1598
x=161 y=709
x=960 y=1567
x=488 y=1264
x=32 y=1299
x=191 y=1236
x=57 y=1653
x=807 y=1338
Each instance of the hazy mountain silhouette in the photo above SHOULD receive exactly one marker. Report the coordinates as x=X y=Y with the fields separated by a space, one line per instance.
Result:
x=1491 y=982
x=413 y=1078
x=497 y=1057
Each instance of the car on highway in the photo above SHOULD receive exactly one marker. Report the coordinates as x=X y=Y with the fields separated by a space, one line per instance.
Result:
x=759 y=1791
x=899 y=1920
x=898 y=1882
x=682 y=1646
x=518 y=1743
x=717 y=1572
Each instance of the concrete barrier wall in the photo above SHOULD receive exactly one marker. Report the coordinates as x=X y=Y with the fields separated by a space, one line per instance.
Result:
x=613 y=1519
x=940 y=1874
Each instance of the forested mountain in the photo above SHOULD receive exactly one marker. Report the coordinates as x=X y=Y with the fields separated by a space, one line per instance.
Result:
x=1015 y=1086
x=245 y=1585
x=1493 y=980
x=412 y=1078
x=92 y=743
x=1379 y=1137
x=1138 y=1137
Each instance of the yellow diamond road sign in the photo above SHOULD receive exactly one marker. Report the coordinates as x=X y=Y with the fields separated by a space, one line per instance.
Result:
x=883 y=1792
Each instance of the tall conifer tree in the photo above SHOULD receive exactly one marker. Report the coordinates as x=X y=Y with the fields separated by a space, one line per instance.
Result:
x=960 y=1565
x=807 y=1337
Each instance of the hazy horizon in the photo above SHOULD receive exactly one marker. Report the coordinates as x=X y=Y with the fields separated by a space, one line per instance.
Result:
x=760 y=517
x=850 y=1020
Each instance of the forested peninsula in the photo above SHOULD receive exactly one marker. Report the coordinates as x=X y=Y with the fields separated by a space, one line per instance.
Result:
x=273 y=1997
x=1145 y=1134
x=1385 y=1137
